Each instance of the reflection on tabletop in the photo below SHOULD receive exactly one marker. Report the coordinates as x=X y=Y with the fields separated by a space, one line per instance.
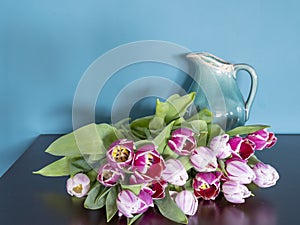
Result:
x=256 y=211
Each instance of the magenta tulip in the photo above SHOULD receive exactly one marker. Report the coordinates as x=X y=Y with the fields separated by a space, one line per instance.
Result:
x=158 y=188
x=78 y=185
x=182 y=141
x=207 y=185
x=129 y=204
x=148 y=162
x=109 y=176
x=187 y=202
x=235 y=192
x=120 y=154
x=262 y=139
x=242 y=146
x=204 y=159
x=266 y=175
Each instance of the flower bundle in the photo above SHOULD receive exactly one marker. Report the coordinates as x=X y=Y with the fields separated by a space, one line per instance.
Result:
x=165 y=159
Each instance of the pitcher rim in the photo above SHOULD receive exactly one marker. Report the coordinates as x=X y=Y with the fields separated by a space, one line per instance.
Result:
x=210 y=60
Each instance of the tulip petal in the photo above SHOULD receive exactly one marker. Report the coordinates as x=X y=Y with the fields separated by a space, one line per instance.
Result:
x=174 y=172
x=239 y=171
x=187 y=202
x=182 y=141
x=204 y=159
x=235 y=192
x=266 y=175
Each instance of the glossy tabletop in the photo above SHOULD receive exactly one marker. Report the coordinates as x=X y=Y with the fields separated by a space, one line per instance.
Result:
x=28 y=199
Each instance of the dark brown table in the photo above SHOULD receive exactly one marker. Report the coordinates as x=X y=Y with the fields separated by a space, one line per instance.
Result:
x=28 y=199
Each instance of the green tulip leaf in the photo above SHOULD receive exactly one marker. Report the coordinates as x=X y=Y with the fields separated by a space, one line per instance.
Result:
x=222 y=166
x=96 y=198
x=169 y=209
x=64 y=146
x=253 y=160
x=175 y=106
x=111 y=204
x=79 y=165
x=203 y=114
x=133 y=219
x=162 y=138
x=156 y=125
x=168 y=153
x=135 y=188
x=108 y=134
x=91 y=139
x=198 y=126
x=140 y=127
x=185 y=160
x=213 y=131
x=246 y=129
x=92 y=174
x=58 y=168
x=140 y=143
x=189 y=185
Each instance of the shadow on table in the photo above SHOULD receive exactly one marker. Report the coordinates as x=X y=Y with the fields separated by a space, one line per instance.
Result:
x=255 y=211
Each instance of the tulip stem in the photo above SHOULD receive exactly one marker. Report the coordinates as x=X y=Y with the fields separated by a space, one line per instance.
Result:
x=178 y=188
x=253 y=160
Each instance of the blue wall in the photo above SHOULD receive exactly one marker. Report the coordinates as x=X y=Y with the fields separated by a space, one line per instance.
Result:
x=45 y=47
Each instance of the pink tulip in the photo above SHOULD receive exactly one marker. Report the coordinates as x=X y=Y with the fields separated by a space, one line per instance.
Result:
x=109 y=176
x=187 y=202
x=239 y=171
x=266 y=175
x=182 y=141
x=158 y=189
x=235 y=192
x=204 y=159
x=120 y=153
x=242 y=146
x=175 y=172
x=262 y=139
x=78 y=185
x=155 y=188
x=207 y=185
x=220 y=145
x=148 y=162
x=128 y=203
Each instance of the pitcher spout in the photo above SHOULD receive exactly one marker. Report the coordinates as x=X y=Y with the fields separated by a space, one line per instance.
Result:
x=210 y=60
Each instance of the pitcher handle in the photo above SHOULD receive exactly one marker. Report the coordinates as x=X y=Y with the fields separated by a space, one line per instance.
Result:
x=253 y=88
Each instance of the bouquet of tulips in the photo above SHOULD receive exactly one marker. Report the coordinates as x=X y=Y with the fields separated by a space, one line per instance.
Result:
x=164 y=160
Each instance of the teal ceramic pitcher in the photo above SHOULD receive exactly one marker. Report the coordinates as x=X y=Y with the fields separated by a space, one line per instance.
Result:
x=216 y=89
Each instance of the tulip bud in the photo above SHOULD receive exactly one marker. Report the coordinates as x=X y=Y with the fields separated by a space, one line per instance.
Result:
x=235 y=192
x=204 y=159
x=128 y=203
x=242 y=146
x=175 y=172
x=182 y=141
x=109 y=176
x=220 y=146
x=78 y=185
x=187 y=202
x=266 y=175
x=239 y=171
x=262 y=139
